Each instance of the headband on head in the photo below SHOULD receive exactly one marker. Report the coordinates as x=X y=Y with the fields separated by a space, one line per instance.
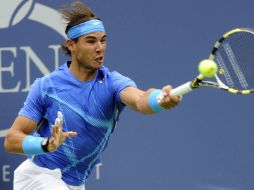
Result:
x=85 y=28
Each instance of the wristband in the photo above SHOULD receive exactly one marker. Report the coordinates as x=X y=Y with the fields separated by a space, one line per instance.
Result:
x=32 y=145
x=153 y=101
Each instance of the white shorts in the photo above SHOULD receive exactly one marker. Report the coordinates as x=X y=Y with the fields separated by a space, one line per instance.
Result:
x=29 y=176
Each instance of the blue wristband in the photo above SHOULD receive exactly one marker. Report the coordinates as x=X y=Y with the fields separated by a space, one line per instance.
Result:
x=153 y=102
x=32 y=145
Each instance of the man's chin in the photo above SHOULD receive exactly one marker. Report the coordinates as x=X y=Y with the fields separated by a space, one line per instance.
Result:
x=98 y=65
x=95 y=68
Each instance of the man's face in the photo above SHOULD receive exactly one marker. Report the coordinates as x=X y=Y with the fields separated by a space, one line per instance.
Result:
x=89 y=50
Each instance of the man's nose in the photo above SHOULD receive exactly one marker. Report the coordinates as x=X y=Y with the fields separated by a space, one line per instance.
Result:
x=98 y=46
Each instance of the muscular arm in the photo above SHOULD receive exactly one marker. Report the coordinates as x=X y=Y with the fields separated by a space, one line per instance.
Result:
x=138 y=99
x=21 y=127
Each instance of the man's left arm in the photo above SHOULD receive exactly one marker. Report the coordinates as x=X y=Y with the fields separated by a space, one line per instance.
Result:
x=143 y=101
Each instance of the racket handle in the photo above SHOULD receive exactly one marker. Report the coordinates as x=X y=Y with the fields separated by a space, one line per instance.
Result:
x=182 y=90
x=178 y=91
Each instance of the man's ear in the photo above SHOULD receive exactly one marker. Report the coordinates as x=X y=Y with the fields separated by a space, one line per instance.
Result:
x=70 y=44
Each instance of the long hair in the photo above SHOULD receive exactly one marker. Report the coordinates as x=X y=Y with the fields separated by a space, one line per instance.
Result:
x=75 y=13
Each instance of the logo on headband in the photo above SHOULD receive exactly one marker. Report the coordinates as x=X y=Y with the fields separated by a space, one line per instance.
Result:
x=31 y=34
x=96 y=22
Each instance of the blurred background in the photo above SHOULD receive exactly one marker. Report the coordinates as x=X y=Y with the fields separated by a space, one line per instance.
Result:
x=206 y=143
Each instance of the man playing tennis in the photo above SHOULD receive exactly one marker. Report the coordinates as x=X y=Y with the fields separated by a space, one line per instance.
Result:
x=86 y=98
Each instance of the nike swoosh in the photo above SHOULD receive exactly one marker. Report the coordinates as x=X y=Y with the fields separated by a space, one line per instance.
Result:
x=96 y=23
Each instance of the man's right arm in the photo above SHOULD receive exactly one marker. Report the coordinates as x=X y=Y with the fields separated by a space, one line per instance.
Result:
x=18 y=137
x=21 y=127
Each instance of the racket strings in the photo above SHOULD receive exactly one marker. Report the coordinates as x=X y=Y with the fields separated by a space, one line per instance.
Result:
x=235 y=66
x=235 y=58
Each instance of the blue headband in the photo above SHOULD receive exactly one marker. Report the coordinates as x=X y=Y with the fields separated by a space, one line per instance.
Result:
x=85 y=28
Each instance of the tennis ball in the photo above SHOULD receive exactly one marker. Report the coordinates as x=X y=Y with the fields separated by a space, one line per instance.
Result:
x=207 y=68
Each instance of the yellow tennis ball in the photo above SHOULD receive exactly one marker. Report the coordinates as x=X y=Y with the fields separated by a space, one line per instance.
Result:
x=207 y=68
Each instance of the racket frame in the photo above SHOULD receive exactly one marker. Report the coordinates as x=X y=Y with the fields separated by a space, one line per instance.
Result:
x=199 y=82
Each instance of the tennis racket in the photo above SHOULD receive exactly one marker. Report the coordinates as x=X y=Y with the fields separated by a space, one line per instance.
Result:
x=234 y=55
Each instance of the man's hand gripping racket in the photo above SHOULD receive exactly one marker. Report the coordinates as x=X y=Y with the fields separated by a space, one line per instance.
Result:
x=230 y=65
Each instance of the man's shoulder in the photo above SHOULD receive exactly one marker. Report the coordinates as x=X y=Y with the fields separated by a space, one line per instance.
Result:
x=47 y=80
x=110 y=73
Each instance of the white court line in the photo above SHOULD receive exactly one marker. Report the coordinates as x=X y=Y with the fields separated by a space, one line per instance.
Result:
x=215 y=187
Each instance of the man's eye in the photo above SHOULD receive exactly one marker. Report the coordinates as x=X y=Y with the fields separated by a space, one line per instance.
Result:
x=90 y=41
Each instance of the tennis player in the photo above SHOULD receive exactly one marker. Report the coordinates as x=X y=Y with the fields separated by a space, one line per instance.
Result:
x=86 y=98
